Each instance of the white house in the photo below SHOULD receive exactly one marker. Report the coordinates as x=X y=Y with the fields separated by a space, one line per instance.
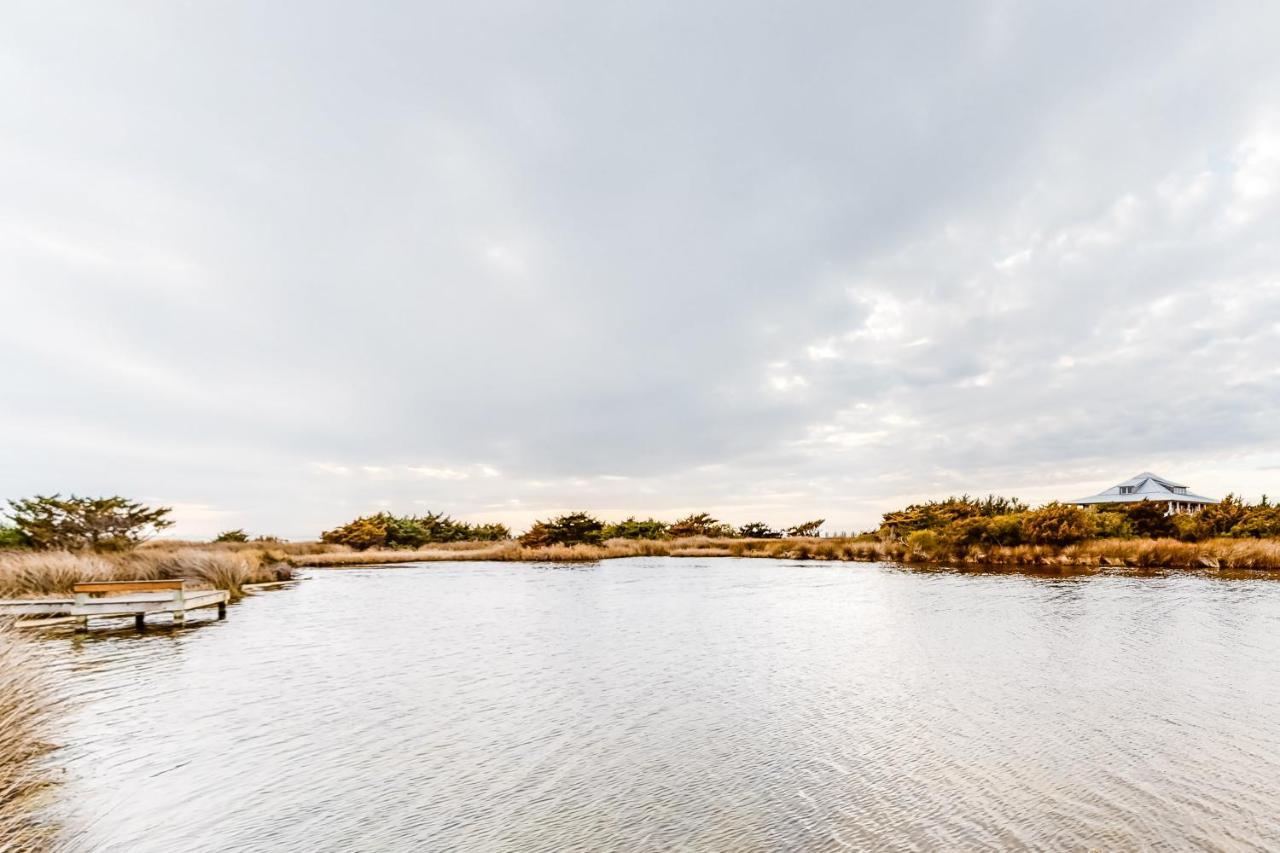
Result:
x=1149 y=487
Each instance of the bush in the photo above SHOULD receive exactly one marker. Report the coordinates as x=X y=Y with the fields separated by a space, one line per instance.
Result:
x=701 y=524
x=237 y=535
x=1262 y=522
x=78 y=524
x=1219 y=519
x=1057 y=524
x=807 y=529
x=384 y=530
x=987 y=532
x=11 y=537
x=758 y=530
x=925 y=543
x=575 y=528
x=1151 y=520
x=1111 y=524
x=936 y=515
x=634 y=529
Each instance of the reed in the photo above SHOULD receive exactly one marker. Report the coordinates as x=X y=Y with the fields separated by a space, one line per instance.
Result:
x=27 y=711
x=54 y=573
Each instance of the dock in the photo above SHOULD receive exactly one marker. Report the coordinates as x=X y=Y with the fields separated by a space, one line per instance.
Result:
x=138 y=599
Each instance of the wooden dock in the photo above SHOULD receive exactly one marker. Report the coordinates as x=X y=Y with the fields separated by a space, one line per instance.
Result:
x=138 y=599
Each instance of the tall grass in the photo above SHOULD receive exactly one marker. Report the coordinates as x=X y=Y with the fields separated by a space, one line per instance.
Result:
x=1259 y=554
x=54 y=573
x=26 y=713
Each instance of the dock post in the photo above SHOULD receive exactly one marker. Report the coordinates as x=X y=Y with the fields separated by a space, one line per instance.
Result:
x=140 y=621
x=222 y=610
x=179 y=617
x=82 y=624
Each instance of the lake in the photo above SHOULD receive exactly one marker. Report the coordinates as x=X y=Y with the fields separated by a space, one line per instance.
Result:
x=684 y=704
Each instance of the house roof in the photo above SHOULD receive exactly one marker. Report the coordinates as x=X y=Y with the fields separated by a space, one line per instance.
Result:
x=1145 y=487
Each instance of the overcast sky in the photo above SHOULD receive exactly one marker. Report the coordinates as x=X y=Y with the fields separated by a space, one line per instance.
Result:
x=278 y=264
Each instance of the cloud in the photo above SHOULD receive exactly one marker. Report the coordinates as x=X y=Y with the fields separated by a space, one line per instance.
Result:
x=639 y=259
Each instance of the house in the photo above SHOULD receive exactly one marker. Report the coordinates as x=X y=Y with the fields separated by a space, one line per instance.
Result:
x=1149 y=487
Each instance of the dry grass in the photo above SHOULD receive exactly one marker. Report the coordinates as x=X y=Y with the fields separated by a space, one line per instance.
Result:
x=26 y=712
x=1248 y=554
x=53 y=573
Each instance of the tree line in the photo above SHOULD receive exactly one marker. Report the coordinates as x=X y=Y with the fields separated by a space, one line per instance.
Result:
x=964 y=522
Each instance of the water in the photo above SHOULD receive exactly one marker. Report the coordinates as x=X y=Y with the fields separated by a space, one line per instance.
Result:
x=660 y=704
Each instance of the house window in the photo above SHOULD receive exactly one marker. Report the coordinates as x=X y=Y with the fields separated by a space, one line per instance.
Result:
x=1126 y=490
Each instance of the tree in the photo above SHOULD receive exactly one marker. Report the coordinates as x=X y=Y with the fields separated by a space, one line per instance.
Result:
x=1150 y=519
x=76 y=523
x=1057 y=524
x=11 y=537
x=701 y=524
x=758 y=530
x=362 y=534
x=237 y=535
x=575 y=528
x=807 y=529
x=1219 y=519
x=633 y=528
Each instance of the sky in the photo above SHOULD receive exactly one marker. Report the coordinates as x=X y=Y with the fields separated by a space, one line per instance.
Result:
x=280 y=264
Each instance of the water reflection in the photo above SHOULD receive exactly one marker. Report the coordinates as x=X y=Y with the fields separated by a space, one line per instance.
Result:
x=687 y=704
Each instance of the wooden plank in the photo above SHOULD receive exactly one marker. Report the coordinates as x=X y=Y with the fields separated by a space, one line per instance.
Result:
x=128 y=586
x=34 y=606
x=133 y=606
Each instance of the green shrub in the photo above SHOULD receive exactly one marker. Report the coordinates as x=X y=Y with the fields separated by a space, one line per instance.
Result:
x=937 y=515
x=94 y=524
x=1111 y=524
x=807 y=529
x=1261 y=522
x=701 y=524
x=633 y=528
x=987 y=532
x=575 y=528
x=1150 y=519
x=1057 y=524
x=925 y=543
x=758 y=530
x=11 y=537
x=237 y=535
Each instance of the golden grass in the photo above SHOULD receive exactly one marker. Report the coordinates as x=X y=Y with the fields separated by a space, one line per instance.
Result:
x=1250 y=554
x=53 y=573
x=26 y=712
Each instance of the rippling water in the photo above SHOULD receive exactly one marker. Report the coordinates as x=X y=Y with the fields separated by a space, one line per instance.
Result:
x=658 y=704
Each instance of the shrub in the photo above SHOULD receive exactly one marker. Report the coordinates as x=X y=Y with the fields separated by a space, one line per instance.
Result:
x=987 y=532
x=575 y=528
x=1057 y=524
x=1219 y=519
x=633 y=528
x=1150 y=520
x=925 y=543
x=1262 y=522
x=1111 y=524
x=807 y=529
x=384 y=530
x=701 y=524
x=237 y=535
x=75 y=523
x=758 y=530
x=936 y=515
x=11 y=537
x=363 y=533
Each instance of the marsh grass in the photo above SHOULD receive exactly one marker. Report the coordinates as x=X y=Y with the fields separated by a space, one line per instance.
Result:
x=1246 y=554
x=54 y=573
x=27 y=710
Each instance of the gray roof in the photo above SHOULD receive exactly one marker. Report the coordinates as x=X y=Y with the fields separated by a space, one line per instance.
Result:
x=1145 y=487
